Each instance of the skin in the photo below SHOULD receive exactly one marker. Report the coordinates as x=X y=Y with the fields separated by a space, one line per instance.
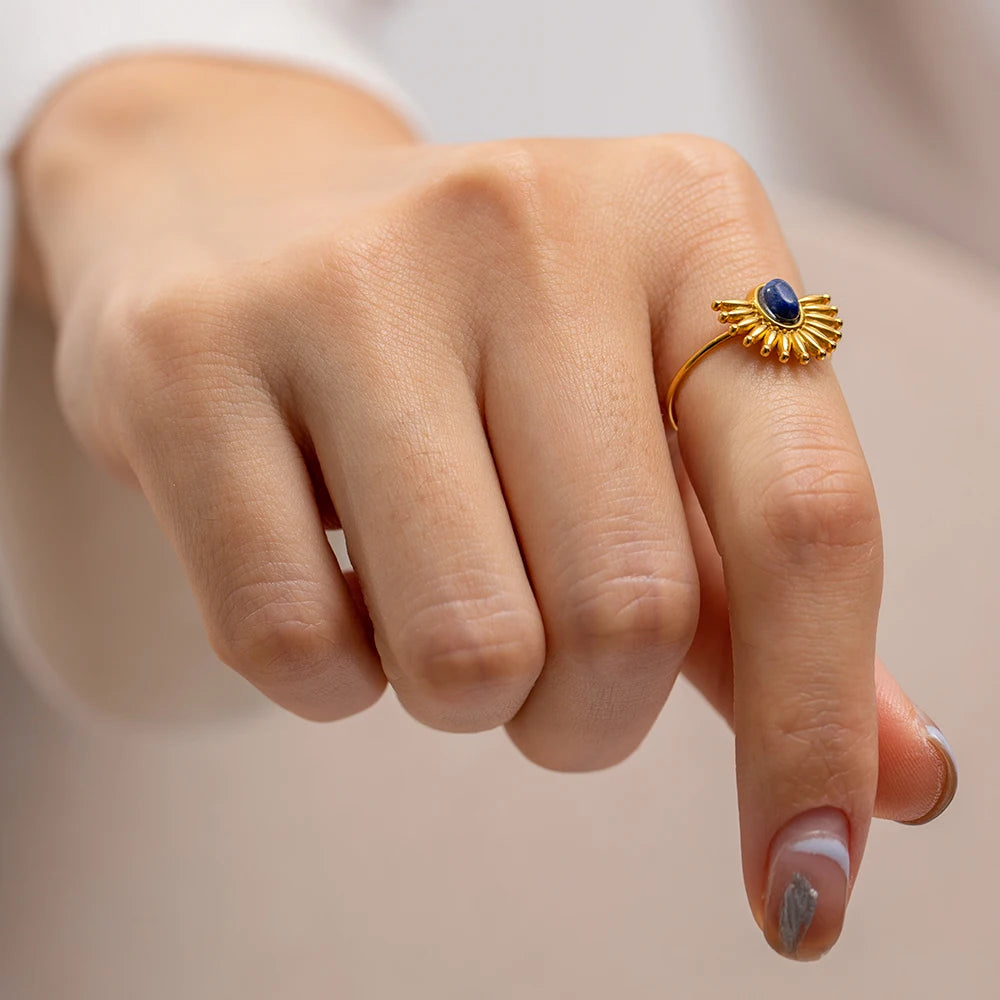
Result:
x=280 y=312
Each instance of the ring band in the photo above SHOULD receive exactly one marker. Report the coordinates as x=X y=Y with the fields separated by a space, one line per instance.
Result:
x=775 y=317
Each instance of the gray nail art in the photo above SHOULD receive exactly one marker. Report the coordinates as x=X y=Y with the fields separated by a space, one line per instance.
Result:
x=798 y=907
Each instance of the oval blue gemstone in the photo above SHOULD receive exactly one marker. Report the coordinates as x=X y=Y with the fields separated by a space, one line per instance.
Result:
x=779 y=301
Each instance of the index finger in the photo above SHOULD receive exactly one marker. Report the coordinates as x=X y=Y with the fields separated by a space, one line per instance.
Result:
x=778 y=469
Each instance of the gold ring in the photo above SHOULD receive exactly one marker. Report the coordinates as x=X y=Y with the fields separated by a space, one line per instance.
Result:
x=774 y=316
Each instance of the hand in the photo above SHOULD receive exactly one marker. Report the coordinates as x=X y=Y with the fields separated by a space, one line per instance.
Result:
x=279 y=313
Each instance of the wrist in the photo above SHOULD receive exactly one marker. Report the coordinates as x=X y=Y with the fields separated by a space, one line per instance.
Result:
x=139 y=157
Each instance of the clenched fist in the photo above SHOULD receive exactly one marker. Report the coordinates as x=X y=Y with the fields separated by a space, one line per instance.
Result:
x=280 y=313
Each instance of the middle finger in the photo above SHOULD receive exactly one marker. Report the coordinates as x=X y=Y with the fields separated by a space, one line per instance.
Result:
x=589 y=483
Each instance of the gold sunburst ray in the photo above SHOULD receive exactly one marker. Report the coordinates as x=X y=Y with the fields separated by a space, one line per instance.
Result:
x=830 y=318
x=830 y=331
x=826 y=342
x=820 y=349
x=754 y=335
x=829 y=311
x=834 y=331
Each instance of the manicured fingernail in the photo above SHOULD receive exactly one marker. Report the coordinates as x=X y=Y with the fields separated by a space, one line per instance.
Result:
x=949 y=771
x=807 y=884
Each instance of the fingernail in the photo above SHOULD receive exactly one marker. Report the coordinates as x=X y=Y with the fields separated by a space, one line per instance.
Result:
x=949 y=780
x=807 y=884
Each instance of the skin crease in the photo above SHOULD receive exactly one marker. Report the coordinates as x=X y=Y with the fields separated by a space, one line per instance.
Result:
x=278 y=312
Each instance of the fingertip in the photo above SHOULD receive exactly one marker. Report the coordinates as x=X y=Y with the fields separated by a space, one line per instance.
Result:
x=918 y=773
x=947 y=772
x=808 y=884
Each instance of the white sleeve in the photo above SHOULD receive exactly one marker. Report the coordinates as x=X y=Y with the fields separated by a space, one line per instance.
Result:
x=46 y=41
x=95 y=607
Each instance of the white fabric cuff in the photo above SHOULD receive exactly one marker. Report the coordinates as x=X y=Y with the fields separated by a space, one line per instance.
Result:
x=47 y=42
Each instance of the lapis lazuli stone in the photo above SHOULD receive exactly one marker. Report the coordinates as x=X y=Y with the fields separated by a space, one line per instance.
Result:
x=779 y=301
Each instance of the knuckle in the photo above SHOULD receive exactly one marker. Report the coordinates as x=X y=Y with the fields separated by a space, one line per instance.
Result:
x=701 y=167
x=465 y=236
x=714 y=198
x=178 y=358
x=632 y=609
x=268 y=638
x=822 y=498
x=496 y=193
x=713 y=169
x=457 y=650
x=175 y=324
